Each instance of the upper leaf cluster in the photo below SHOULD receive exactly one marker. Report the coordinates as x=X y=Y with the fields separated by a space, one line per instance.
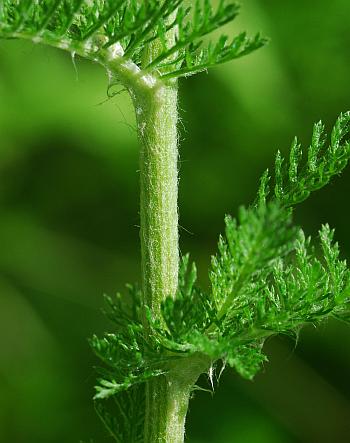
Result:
x=104 y=29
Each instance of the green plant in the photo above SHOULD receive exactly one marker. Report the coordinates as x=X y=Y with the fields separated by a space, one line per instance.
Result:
x=266 y=278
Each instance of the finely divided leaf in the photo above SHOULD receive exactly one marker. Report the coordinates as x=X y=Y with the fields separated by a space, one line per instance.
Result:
x=295 y=180
x=105 y=30
x=123 y=415
x=260 y=236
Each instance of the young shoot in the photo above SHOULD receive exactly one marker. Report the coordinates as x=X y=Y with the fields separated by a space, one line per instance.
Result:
x=267 y=277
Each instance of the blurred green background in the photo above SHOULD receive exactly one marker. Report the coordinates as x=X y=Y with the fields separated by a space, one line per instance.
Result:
x=69 y=224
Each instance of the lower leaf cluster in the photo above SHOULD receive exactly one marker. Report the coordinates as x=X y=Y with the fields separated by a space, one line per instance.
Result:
x=261 y=294
x=267 y=278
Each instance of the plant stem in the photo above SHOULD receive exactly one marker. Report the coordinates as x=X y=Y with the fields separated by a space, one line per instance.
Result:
x=166 y=409
x=156 y=114
x=166 y=397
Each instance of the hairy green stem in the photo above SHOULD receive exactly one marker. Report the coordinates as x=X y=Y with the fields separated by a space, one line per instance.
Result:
x=168 y=398
x=157 y=118
x=166 y=409
x=156 y=111
x=157 y=129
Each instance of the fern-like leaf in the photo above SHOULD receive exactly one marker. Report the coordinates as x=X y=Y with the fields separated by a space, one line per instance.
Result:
x=253 y=242
x=296 y=180
x=123 y=415
x=267 y=278
x=112 y=32
x=127 y=357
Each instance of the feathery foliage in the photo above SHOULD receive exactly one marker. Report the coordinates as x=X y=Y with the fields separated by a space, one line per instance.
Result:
x=128 y=357
x=267 y=278
x=123 y=415
x=295 y=180
x=144 y=44
x=253 y=242
x=105 y=30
